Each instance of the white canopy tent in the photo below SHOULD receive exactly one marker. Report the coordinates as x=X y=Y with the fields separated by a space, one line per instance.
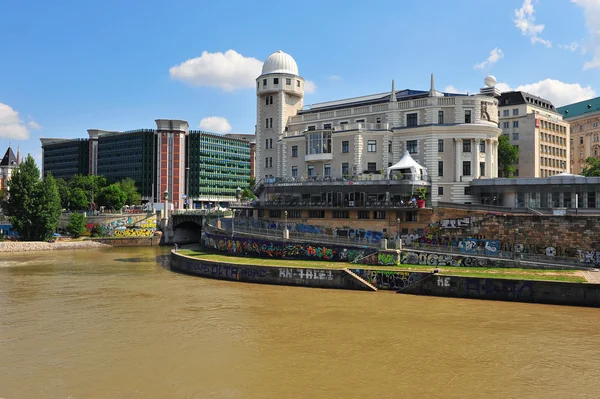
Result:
x=408 y=166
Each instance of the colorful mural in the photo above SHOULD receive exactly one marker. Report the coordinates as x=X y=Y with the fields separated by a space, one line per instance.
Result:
x=123 y=227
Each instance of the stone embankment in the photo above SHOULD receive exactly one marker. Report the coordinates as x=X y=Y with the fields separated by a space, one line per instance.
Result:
x=22 y=246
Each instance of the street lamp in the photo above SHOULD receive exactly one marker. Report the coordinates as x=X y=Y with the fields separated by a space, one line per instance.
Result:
x=398 y=239
x=286 y=233
x=238 y=192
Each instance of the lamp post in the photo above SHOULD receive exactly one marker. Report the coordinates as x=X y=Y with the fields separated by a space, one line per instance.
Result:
x=166 y=201
x=187 y=187
x=286 y=233
x=398 y=239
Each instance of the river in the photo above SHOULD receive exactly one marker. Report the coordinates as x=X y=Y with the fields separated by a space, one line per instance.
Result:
x=117 y=323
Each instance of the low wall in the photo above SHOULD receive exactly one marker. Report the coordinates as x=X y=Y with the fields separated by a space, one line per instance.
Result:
x=303 y=277
x=130 y=242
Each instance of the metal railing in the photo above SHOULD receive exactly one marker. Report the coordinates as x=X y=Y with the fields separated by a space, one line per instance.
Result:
x=365 y=176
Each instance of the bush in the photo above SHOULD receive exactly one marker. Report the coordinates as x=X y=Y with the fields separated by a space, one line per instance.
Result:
x=76 y=225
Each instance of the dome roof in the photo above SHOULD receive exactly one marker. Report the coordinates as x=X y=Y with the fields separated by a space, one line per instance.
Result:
x=280 y=62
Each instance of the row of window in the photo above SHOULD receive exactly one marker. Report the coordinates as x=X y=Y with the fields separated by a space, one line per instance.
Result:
x=544 y=149
x=506 y=112
x=288 y=82
x=554 y=163
x=268 y=162
x=506 y=125
x=268 y=144
x=338 y=214
x=553 y=139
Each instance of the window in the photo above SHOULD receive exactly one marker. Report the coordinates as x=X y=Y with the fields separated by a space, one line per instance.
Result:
x=341 y=214
x=505 y=112
x=516 y=112
x=411 y=146
x=378 y=214
x=411 y=120
x=288 y=81
x=440 y=145
x=411 y=217
x=372 y=167
x=275 y=81
x=580 y=127
x=378 y=120
x=274 y=213
x=327 y=126
x=271 y=122
x=389 y=146
x=345 y=169
x=466 y=168
x=515 y=136
x=294 y=151
x=310 y=170
x=316 y=214
x=364 y=214
x=267 y=102
x=467 y=116
x=294 y=214
x=581 y=140
x=270 y=162
x=345 y=146
x=481 y=146
x=515 y=123
x=343 y=123
x=595 y=124
x=312 y=128
x=271 y=143
x=441 y=117
x=264 y=82
x=267 y=122
x=440 y=190
x=294 y=171
x=327 y=170
x=267 y=144
x=481 y=168
x=466 y=145
x=468 y=190
x=372 y=146
x=440 y=168
x=505 y=125
x=297 y=83
x=360 y=121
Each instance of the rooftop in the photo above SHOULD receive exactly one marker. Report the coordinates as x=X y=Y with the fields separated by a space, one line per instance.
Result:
x=581 y=108
x=509 y=98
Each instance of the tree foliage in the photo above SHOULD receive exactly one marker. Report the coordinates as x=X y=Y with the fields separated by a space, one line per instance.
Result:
x=33 y=205
x=112 y=197
x=592 y=167
x=63 y=191
x=76 y=225
x=508 y=155
x=247 y=194
x=91 y=185
x=132 y=197
x=78 y=200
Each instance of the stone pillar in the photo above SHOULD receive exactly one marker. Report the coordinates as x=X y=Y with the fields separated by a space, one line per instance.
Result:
x=476 y=156
x=488 y=157
x=495 y=158
x=458 y=144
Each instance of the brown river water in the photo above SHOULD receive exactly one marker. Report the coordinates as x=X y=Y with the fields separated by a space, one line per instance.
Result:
x=117 y=323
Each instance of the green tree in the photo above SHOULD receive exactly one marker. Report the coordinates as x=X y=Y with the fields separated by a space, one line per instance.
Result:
x=252 y=182
x=63 y=191
x=78 y=199
x=76 y=225
x=112 y=197
x=247 y=194
x=508 y=155
x=132 y=197
x=592 y=167
x=32 y=205
x=90 y=184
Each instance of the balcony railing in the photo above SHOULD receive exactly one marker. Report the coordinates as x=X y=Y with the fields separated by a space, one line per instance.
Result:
x=357 y=178
x=344 y=127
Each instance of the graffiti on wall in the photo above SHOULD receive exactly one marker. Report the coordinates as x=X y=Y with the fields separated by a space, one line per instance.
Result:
x=305 y=274
x=123 y=228
x=274 y=249
x=427 y=259
x=389 y=280
x=455 y=223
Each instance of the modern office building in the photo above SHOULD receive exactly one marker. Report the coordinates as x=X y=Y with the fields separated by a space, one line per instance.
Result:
x=453 y=136
x=251 y=138
x=584 y=119
x=192 y=167
x=65 y=158
x=536 y=127
x=219 y=167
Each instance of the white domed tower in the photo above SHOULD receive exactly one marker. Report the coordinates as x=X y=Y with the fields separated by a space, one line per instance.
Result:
x=279 y=95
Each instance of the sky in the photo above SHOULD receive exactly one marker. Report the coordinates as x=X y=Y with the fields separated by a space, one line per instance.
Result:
x=69 y=65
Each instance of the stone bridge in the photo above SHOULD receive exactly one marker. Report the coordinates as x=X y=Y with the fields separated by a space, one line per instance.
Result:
x=183 y=228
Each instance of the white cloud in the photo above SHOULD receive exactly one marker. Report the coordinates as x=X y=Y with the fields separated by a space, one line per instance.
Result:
x=228 y=71
x=452 y=89
x=215 y=124
x=559 y=93
x=309 y=86
x=495 y=56
x=569 y=47
x=34 y=125
x=591 y=12
x=11 y=126
x=525 y=21
x=335 y=78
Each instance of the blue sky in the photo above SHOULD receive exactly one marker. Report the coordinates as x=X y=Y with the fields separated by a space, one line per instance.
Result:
x=69 y=66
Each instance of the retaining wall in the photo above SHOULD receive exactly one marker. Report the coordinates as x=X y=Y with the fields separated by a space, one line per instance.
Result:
x=130 y=242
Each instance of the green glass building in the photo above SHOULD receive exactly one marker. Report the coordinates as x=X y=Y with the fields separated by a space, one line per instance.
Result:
x=218 y=166
x=65 y=158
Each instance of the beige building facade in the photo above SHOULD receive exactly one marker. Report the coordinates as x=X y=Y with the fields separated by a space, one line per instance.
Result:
x=536 y=127
x=584 y=118
x=454 y=136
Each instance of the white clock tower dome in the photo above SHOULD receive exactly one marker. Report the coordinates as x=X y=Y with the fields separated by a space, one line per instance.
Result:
x=279 y=95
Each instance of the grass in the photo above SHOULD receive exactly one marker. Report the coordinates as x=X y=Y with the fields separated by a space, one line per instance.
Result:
x=508 y=273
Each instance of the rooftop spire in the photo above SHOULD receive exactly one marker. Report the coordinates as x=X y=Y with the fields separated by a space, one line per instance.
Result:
x=393 y=93
x=18 y=155
x=432 y=87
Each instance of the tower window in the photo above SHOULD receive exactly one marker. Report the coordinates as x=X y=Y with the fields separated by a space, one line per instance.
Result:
x=467 y=116
x=297 y=83
x=275 y=81
x=441 y=117
x=288 y=81
x=264 y=82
